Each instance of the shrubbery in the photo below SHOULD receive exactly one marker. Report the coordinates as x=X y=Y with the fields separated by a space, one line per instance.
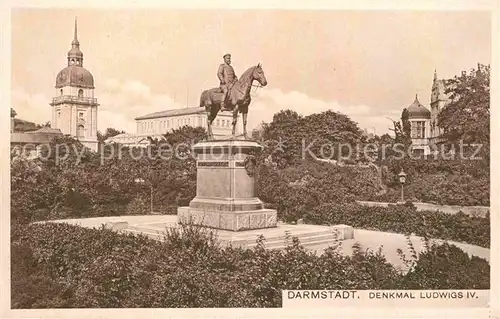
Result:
x=79 y=183
x=404 y=220
x=93 y=185
x=297 y=189
x=446 y=182
x=321 y=193
x=63 y=266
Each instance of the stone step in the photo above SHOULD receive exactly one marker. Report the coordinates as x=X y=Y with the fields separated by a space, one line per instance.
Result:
x=306 y=239
x=150 y=234
x=325 y=238
x=241 y=236
x=281 y=236
x=142 y=228
x=308 y=244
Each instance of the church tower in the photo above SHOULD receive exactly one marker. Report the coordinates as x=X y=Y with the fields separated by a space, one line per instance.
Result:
x=74 y=107
x=439 y=99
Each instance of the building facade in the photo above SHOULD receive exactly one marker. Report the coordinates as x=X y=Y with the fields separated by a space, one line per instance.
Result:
x=439 y=100
x=74 y=107
x=425 y=130
x=419 y=117
x=155 y=125
x=29 y=144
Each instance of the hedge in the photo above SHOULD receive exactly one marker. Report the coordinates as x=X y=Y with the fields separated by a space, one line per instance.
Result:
x=404 y=219
x=64 y=266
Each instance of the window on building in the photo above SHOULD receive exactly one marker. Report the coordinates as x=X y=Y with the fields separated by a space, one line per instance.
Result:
x=418 y=129
x=58 y=113
x=80 y=115
x=80 y=93
x=422 y=129
x=61 y=92
x=80 y=131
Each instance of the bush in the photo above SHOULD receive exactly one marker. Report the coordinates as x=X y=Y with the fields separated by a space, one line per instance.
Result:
x=138 y=206
x=446 y=182
x=446 y=266
x=63 y=266
x=301 y=188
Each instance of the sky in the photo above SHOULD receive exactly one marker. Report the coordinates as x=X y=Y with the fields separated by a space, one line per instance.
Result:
x=368 y=65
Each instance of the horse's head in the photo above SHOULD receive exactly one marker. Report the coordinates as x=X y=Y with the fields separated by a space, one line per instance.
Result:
x=258 y=74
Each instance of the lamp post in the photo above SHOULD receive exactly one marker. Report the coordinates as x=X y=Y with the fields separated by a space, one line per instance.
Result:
x=142 y=181
x=151 y=197
x=402 y=180
x=139 y=181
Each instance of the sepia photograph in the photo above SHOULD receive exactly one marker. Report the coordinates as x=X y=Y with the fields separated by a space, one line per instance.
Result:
x=290 y=159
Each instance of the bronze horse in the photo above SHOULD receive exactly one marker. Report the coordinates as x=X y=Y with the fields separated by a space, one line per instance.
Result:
x=238 y=99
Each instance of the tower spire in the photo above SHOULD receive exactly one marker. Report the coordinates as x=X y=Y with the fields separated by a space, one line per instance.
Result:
x=435 y=75
x=75 y=37
x=75 y=56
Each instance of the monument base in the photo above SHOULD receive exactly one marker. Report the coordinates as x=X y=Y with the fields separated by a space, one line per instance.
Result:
x=228 y=220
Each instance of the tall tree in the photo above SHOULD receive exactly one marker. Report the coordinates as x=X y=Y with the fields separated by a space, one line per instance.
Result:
x=467 y=117
x=110 y=132
x=405 y=124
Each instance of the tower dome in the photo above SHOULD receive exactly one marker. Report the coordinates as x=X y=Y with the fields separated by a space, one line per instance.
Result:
x=75 y=74
x=417 y=110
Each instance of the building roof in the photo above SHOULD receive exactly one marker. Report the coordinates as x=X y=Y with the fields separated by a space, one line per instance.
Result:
x=24 y=138
x=170 y=113
x=41 y=136
x=417 y=110
x=46 y=130
x=126 y=138
x=21 y=125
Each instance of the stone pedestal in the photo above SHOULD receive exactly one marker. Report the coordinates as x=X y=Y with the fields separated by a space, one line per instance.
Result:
x=225 y=189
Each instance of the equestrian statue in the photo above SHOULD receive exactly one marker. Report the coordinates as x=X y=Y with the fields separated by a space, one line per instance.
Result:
x=232 y=95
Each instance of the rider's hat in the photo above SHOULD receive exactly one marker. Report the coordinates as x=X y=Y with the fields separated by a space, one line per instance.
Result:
x=225 y=55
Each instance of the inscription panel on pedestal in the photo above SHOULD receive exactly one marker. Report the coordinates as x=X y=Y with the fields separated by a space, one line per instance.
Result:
x=213 y=164
x=213 y=182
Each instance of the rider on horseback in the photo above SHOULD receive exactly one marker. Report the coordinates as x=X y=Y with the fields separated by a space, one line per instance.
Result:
x=227 y=78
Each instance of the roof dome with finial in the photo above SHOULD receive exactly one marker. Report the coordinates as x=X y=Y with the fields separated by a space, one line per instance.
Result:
x=417 y=110
x=75 y=74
